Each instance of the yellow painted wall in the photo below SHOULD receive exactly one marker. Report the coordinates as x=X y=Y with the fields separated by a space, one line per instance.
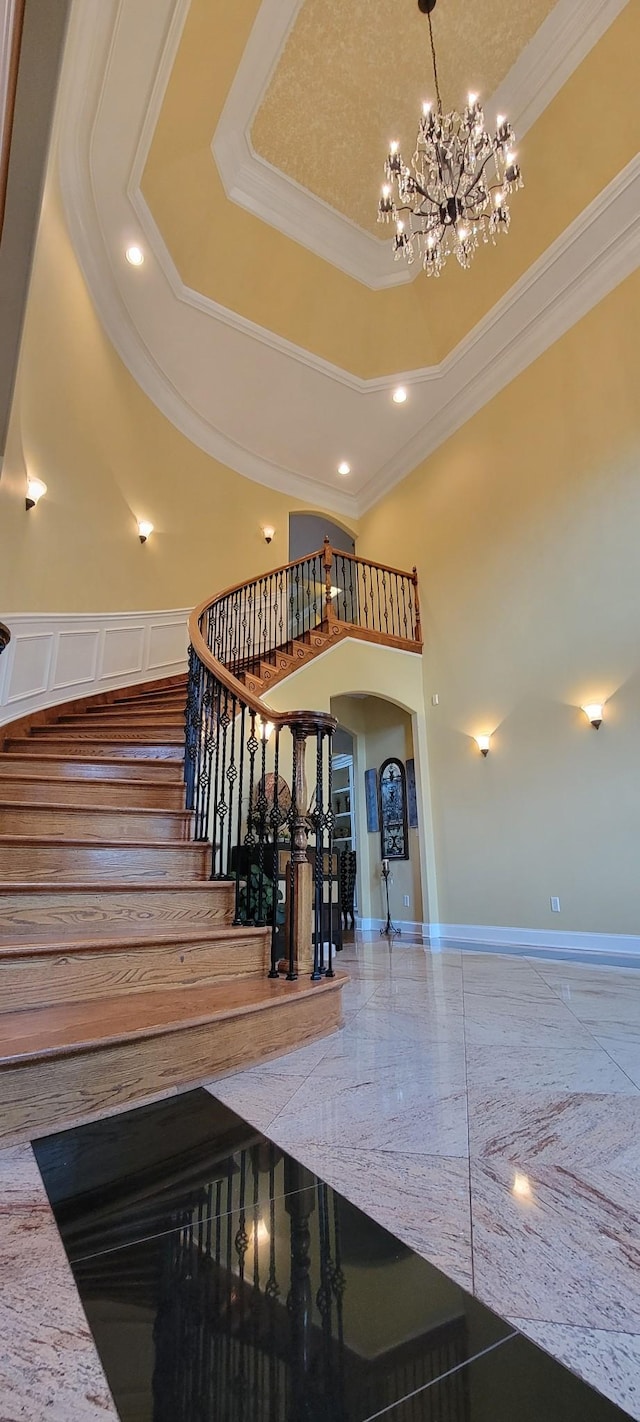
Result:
x=382 y=727
x=109 y=457
x=525 y=530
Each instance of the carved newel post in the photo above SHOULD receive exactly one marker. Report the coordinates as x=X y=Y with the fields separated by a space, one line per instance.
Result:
x=300 y=878
x=327 y=561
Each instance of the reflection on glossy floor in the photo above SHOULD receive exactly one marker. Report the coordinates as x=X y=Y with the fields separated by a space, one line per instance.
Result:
x=226 y=1282
x=486 y=1109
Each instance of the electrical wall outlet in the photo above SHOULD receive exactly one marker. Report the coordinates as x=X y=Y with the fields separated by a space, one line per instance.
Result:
x=435 y=699
x=555 y=904
x=406 y=900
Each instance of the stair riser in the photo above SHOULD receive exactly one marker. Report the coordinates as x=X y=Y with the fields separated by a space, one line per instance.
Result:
x=112 y=723
x=26 y=791
x=100 y=749
x=30 y=916
x=94 y=823
x=41 y=1097
x=171 y=693
x=97 y=735
x=77 y=770
x=96 y=863
x=77 y=977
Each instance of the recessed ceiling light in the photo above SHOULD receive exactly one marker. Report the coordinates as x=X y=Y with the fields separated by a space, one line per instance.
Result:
x=344 y=468
x=135 y=256
x=399 y=396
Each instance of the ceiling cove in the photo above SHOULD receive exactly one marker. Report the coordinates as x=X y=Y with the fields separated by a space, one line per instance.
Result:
x=558 y=46
x=271 y=410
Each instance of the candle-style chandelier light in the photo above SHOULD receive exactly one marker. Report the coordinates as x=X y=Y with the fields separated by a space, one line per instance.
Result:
x=454 y=195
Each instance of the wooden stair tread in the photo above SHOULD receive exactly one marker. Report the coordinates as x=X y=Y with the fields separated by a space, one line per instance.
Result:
x=23 y=886
x=59 y=841
x=33 y=1034
x=132 y=934
x=20 y=755
x=135 y=781
x=99 y=809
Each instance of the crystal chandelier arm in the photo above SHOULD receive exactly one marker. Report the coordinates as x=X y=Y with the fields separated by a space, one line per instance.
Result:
x=480 y=174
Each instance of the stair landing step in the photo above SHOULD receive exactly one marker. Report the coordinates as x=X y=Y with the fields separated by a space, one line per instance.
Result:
x=141 y=937
x=46 y=1033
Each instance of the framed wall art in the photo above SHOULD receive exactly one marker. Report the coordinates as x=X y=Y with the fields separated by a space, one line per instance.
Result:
x=394 y=834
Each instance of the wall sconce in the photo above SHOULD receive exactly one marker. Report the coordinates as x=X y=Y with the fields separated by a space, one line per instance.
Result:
x=268 y=533
x=483 y=743
x=593 y=713
x=264 y=728
x=144 y=529
x=36 y=488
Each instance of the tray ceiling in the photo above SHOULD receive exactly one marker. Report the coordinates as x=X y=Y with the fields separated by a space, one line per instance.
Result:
x=352 y=77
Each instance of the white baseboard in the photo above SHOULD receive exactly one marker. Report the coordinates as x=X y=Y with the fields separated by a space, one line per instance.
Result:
x=53 y=658
x=410 y=931
x=536 y=939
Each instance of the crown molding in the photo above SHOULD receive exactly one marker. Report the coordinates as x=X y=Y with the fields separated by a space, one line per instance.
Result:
x=558 y=47
x=591 y=257
x=186 y=351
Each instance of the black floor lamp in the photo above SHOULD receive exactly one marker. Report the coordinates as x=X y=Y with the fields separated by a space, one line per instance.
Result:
x=389 y=930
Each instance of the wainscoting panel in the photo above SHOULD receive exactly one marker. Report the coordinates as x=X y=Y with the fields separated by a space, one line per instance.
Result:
x=89 y=653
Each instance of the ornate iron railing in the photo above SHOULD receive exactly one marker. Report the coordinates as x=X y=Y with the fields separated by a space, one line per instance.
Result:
x=247 y=767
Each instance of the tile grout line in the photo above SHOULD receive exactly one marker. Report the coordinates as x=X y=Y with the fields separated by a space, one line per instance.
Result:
x=418 y=1391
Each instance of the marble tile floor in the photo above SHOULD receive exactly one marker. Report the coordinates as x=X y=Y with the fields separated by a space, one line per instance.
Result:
x=482 y=1106
x=486 y=1108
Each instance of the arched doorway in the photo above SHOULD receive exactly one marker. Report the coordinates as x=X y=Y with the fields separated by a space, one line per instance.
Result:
x=307 y=531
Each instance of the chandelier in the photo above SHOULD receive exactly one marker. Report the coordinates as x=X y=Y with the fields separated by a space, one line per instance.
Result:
x=454 y=195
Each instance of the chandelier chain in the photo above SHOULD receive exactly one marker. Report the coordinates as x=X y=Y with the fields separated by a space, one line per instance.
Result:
x=435 y=66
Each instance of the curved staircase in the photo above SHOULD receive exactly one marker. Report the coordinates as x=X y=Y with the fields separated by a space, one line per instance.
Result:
x=142 y=839
x=121 y=973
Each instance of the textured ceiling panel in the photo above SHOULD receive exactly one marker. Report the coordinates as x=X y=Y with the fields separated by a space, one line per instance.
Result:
x=353 y=76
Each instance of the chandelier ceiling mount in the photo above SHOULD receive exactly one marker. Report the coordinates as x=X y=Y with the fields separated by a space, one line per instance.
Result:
x=454 y=194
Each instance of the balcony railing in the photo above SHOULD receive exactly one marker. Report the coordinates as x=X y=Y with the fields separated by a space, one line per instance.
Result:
x=260 y=781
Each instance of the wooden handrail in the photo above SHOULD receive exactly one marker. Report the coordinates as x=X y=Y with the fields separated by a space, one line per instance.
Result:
x=308 y=558
x=12 y=13
x=309 y=720
x=315 y=719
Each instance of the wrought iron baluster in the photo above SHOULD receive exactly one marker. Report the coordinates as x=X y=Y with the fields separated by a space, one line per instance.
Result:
x=222 y=807
x=275 y=831
x=250 y=839
x=191 y=719
x=318 y=906
x=417 y=630
x=261 y=816
x=241 y=747
x=343 y=580
x=329 y=822
x=385 y=603
x=208 y=739
x=353 y=616
x=292 y=973
x=232 y=775
x=405 y=620
x=281 y=638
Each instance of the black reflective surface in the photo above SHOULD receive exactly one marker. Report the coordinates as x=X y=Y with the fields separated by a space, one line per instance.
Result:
x=224 y=1282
